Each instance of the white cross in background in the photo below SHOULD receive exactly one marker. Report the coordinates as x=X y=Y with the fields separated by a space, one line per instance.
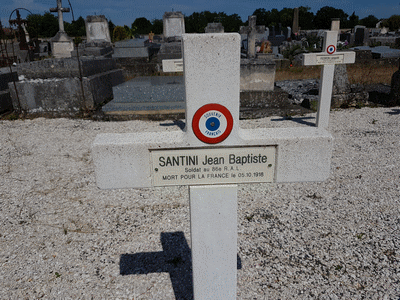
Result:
x=328 y=59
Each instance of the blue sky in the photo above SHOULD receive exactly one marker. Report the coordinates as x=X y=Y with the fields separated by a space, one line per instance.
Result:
x=125 y=12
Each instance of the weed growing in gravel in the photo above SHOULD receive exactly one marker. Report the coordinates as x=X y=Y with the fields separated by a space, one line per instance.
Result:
x=360 y=235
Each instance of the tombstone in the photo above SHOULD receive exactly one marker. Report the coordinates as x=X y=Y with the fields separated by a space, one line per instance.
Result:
x=61 y=44
x=289 y=32
x=328 y=59
x=361 y=35
x=174 y=25
x=214 y=28
x=98 y=40
x=252 y=32
x=296 y=21
x=211 y=156
x=97 y=29
x=44 y=49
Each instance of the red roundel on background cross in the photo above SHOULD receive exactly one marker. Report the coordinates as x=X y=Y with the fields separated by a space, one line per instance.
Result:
x=212 y=123
x=331 y=49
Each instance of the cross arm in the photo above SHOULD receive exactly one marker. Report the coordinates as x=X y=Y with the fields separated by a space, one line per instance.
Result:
x=124 y=160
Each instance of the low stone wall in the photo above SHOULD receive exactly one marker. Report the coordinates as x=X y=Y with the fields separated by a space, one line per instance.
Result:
x=65 y=94
x=65 y=67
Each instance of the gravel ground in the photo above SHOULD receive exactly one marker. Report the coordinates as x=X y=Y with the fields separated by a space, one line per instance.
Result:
x=63 y=238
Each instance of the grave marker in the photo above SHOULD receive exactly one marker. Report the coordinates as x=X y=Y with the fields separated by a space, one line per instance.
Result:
x=212 y=155
x=328 y=59
x=61 y=44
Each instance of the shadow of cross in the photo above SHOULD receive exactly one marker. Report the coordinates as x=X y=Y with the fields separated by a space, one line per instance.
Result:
x=175 y=259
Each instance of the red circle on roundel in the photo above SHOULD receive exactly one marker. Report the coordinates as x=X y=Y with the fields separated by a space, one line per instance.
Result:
x=331 y=49
x=197 y=118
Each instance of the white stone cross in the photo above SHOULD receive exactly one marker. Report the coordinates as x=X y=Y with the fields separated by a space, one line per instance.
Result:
x=212 y=155
x=328 y=59
x=59 y=9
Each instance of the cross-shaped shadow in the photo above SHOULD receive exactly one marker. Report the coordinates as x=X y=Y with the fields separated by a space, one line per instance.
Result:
x=300 y=120
x=175 y=259
x=178 y=123
x=394 y=111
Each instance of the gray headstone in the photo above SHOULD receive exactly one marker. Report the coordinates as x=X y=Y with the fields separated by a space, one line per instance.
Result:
x=296 y=20
x=341 y=84
x=97 y=29
x=214 y=28
x=174 y=24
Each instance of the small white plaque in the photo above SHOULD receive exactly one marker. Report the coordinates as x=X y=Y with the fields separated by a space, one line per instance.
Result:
x=172 y=65
x=330 y=59
x=213 y=166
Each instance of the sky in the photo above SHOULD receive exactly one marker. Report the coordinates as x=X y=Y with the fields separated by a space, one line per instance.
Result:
x=124 y=12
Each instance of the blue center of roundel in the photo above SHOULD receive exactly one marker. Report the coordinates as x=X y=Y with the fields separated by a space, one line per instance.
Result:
x=212 y=124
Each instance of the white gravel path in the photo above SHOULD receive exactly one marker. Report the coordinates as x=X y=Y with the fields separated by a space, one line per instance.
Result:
x=63 y=238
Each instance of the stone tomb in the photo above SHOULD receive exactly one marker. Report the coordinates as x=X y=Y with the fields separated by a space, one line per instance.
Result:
x=212 y=155
x=53 y=85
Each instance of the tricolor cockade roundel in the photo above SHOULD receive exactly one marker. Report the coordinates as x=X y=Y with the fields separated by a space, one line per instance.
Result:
x=212 y=123
x=331 y=49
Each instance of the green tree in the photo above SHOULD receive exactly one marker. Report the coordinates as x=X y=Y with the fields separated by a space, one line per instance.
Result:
x=76 y=28
x=324 y=16
x=306 y=18
x=49 y=25
x=286 y=17
x=262 y=15
x=231 y=23
x=157 y=26
x=111 y=27
x=353 y=21
x=393 y=22
x=119 y=34
x=369 y=22
x=142 y=25
x=34 y=25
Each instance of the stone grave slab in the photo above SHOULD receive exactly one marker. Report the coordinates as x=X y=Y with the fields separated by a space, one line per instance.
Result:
x=148 y=95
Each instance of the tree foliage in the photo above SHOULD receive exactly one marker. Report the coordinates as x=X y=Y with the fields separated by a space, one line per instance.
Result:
x=393 y=22
x=42 y=25
x=197 y=22
x=141 y=26
x=323 y=17
x=370 y=21
x=157 y=26
x=119 y=34
x=76 y=28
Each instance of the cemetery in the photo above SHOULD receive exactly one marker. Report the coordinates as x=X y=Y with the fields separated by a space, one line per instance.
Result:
x=216 y=177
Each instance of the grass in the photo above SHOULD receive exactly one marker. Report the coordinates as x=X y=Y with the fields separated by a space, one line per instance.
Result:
x=362 y=74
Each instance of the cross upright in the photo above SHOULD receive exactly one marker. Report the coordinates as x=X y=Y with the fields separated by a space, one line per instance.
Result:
x=59 y=9
x=328 y=59
x=251 y=36
x=211 y=156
